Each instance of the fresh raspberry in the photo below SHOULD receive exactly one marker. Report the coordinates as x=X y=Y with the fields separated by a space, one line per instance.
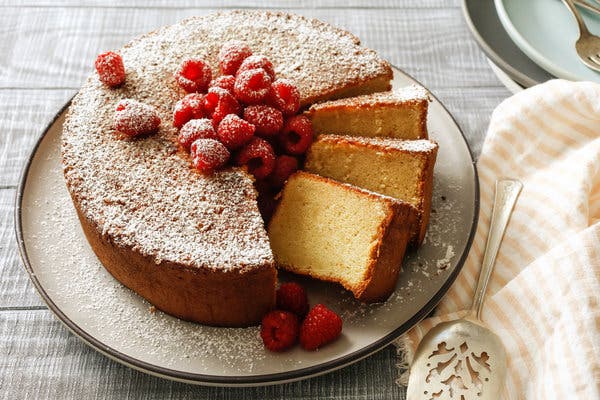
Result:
x=231 y=56
x=224 y=81
x=252 y=86
x=218 y=103
x=111 y=70
x=234 y=132
x=258 y=156
x=194 y=75
x=284 y=96
x=134 y=118
x=297 y=135
x=190 y=107
x=208 y=155
x=284 y=167
x=292 y=297
x=258 y=61
x=268 y=120
x=320 y=327
x=196 y=129
x=279 y=330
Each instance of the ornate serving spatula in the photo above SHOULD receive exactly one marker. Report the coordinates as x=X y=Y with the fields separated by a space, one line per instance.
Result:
x=463 y=359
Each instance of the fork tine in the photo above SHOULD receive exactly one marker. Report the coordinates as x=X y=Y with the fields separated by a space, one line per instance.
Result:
x=595 y=59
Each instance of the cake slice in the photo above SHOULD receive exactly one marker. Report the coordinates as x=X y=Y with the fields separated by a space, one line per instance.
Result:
x=337 y=232
x=402 y=169
x=401 y=113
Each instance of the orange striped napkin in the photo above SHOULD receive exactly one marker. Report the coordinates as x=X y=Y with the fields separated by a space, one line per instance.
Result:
x=543 y=299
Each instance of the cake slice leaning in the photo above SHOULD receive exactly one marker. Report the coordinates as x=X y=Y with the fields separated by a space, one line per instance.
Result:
x=402 y=169
x=340 y=233
x=401 y=113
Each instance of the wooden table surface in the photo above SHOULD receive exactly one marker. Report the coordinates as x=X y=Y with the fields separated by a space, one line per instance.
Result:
x=47 y=48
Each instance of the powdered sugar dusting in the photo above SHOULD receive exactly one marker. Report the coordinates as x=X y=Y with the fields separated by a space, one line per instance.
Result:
x=141 y=192
x=417 y=146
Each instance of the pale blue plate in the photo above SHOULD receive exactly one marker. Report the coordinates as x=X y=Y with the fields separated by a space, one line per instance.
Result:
x=546 y=32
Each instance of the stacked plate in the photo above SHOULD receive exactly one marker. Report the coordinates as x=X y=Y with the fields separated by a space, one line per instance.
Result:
x=529 y=42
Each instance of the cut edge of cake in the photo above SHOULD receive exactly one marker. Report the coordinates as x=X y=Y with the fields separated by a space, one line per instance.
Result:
x=384 y=255
x=382 y=146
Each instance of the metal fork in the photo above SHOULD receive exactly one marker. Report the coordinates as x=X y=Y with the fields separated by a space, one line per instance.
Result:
x=588 y=45
x=588 y=6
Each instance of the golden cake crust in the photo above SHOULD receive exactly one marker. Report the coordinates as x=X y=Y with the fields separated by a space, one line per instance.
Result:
x=159 y=226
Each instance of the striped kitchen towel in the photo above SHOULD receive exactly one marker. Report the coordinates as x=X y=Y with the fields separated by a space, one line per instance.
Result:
x=543 y=299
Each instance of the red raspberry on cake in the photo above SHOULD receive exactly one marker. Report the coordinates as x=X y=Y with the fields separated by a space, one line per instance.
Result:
x=279 y=330
x=284 y=96
x=292 y=297
x=258 y=156
x=194 y=75
x=231 y=56
x=234 y=132
x=252 y=86
x=297 y=135
x=196 y=129
x=190 y=107
x=111 y=70
x=268 y=120
x=258 y=61
x=208 y=155
x=226 y=82
x=284 y=167
x=134 y=118
x=219 y=103
x=321 y=326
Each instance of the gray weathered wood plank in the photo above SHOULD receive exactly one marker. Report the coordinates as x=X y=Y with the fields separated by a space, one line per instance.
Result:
x=16 y=290
x=23 y=117
x=271 y=4
x=56 y=47
x=41 y=359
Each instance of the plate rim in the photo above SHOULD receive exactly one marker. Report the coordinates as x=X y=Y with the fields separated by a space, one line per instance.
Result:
x=239 y=380
x=534 y=54
x=484 y=45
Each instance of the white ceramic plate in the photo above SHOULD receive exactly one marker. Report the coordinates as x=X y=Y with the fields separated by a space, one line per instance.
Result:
x=119 y=323
x=482 y=19
x=546 y=31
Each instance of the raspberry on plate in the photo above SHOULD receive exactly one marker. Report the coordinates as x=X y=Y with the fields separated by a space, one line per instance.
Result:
x=234 y=132
x=111 y=70
x=284 y=95
x=219 y=103
x=268 y=120
x=231 y=56
x=279 y=330
x=208 y=155
x=252 y=86
x=258 y=61
x=321 y=326
x=194 y=75
x=284 y=167
x=297 y=135
x=292 y=297
x=134 y=118
x=224 y=81
x=258 y=156
x=190 y=107
x=196 y=129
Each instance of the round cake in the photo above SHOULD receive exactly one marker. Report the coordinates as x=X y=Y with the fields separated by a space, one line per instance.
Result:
x=194 y=245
